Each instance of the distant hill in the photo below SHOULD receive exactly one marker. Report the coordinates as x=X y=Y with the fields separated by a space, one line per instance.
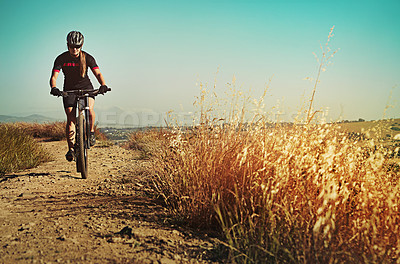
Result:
x=385 y=128
x=29 y=119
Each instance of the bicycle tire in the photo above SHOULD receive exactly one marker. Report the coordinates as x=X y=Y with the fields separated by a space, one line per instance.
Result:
x=82 y=157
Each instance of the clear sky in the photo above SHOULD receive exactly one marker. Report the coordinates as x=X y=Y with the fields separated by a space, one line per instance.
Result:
x=154 y=54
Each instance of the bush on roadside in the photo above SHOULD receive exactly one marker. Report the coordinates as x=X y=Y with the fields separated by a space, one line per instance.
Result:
x=148 y=143
x=301 y=193
x=282 y=193
x=54 y=131
x=19 y=150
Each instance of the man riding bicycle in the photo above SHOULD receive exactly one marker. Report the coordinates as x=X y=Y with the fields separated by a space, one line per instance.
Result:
x=74 y=64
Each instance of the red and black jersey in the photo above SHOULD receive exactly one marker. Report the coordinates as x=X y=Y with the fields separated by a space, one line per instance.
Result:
x=72 y=76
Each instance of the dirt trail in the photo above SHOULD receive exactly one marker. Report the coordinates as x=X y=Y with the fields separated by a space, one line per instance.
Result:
x=50 y=215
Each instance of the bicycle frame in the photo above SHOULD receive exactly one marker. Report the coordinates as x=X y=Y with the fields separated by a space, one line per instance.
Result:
x=82 y=131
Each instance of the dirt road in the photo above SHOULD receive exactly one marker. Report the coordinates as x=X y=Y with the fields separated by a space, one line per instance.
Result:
x=50 y=215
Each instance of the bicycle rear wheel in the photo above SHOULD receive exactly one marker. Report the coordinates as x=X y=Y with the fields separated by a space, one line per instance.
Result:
x=81 y=151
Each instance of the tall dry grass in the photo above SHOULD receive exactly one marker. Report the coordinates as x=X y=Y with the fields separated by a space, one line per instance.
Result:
x=19 y=150
x=51 y=131
x=148 y=143
x=283 y=193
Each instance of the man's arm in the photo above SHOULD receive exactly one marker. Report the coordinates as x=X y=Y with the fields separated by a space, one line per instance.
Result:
x=53 y=79
x=99 y=76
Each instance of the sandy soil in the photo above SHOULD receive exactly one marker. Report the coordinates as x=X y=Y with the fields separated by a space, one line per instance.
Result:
x=50 y=215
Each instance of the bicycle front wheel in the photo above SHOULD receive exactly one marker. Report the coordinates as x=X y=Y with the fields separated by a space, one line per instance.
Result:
x=82 y=157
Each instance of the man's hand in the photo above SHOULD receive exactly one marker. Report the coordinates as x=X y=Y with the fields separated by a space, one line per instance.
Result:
x=55 y=91
x=103 y=89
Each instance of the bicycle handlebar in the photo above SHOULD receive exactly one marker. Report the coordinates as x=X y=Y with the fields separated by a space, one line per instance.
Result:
x=83 y=93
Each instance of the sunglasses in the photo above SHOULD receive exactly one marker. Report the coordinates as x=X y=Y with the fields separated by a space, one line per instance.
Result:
x=75 y=46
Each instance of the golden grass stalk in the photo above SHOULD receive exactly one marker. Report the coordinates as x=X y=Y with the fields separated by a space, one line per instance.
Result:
x=323 y=62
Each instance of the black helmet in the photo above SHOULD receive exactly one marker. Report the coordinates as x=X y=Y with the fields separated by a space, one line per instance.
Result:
x=75 y=38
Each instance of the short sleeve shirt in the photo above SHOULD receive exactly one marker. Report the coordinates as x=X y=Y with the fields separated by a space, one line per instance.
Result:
x=71 y=70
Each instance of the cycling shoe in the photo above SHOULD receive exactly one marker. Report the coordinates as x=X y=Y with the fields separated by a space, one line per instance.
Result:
x=70 y=156
x=92 y=139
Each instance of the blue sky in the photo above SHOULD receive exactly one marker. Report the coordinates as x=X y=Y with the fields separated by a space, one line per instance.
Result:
x=154 y=54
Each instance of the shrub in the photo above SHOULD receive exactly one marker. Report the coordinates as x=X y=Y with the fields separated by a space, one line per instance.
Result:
x=54 y=131
x=301 y=193
x=148 y=143
x=51 y=131
x=19 y=150
x=283 y=193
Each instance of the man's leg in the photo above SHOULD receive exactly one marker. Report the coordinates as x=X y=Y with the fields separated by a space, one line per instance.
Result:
x=92 y=114
x=70 y=127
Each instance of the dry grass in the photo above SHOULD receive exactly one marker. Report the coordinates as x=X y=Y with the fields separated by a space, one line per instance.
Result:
x=19 y=150
x=53 y=131
x=289 y=193
x=293 y=193
x=147 y=143
x=50 y=131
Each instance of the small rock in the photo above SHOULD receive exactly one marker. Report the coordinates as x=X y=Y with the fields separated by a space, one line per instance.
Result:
x=126 y=231
x=165 y=260
x=176 y=232
x=148 y=261
x=27 y=195
x=115 y=240
x=62 y=238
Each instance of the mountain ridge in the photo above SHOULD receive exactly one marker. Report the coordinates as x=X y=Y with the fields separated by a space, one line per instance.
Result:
x=34 y=118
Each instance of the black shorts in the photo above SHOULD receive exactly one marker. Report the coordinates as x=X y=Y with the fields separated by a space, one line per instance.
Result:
x=69 y=101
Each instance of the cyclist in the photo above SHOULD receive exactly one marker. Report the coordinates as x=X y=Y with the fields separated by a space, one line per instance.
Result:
x=74 y=64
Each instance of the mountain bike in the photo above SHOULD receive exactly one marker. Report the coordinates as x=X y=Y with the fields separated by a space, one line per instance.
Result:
x=82 y=133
